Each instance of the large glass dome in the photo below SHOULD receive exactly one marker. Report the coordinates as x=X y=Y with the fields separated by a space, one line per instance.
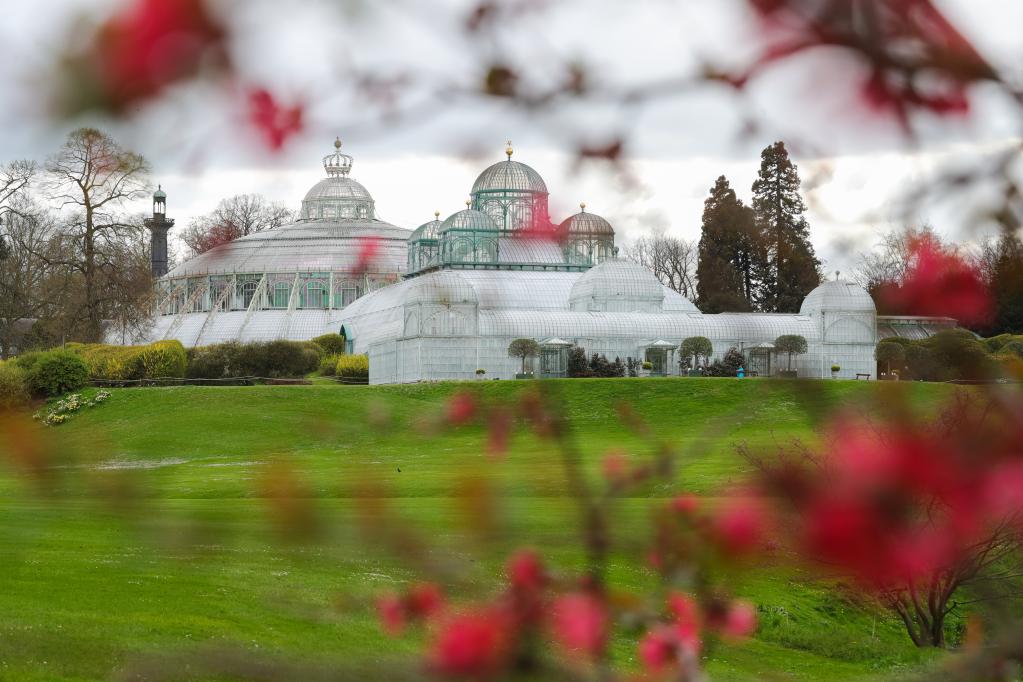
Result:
x=285 y=282
x=513 y=195
x=509 y=175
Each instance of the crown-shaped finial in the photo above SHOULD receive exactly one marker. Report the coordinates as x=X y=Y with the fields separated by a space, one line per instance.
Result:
x=509 y=151
x=468 y=203
x=337 y=163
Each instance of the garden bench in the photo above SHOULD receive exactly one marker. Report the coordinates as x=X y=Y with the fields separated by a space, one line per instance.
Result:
x=865 y=376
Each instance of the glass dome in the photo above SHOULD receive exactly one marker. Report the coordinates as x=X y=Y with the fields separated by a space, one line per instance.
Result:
x=337 y=197
x=838 y=295
x=509 y=175
x=469 y=220
x=587 y=223
x=427 y=231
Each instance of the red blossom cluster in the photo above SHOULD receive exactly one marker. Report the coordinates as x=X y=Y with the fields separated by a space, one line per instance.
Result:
x=485 y=640
x=900 y=503
x=674 y=646
x=276 y=123
x=939 y=281
x=915 y=58
x=148 y=46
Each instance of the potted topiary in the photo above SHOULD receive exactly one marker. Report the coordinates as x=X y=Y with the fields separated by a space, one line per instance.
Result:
x=835 y=369
x=480 y=372
x=646 y=367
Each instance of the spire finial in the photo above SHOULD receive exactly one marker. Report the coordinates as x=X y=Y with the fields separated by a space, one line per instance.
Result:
x=337 y=142
x=436 y=215
x=582 y=206
x=509 y=151
x=837 y=274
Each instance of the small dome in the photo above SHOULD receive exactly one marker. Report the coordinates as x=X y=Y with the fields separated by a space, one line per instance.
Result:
x=159 y=193
x=617 y=285
x=337 y=187
x=426 y=231
x=509 y=176
x=469 y=220
x=838 y=295
x=587 y=223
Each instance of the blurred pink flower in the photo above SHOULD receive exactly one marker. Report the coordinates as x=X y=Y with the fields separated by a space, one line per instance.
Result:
x=151 y=44
x=580 y=623
x=275 y=123
x=472 y=645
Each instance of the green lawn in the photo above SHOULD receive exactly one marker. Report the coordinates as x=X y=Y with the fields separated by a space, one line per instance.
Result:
x=182 y=550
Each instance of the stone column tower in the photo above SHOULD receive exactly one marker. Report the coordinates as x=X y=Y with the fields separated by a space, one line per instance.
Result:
x=158 y=227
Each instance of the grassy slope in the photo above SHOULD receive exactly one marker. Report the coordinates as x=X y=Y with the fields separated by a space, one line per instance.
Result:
x=83 y=586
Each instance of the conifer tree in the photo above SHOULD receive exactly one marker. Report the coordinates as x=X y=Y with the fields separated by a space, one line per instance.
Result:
x=778 y=209
x=1005 y=280
x=725 y=278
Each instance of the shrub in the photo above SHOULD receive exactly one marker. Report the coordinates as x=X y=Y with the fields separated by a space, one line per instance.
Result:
x=331 y=344
x=728 y=365
x=159 y=360
x=1012 y=348
x=215 y=362
x=578 y=367
x=960 y=354
x=836 y=368
x=274 y=359
x=328 y=365
x=122 y=363
x=353 y=368
x=13 y=386
x=57 y=372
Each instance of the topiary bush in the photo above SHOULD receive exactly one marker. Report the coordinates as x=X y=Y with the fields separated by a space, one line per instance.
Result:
x=56 y=372
x=578 y=365
x=353 y=369
x=331 y=344
x=14 y=392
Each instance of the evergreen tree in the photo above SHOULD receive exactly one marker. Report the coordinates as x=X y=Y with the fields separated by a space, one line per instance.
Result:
x=1005 y=280
x=778 y=208
x=726 y=276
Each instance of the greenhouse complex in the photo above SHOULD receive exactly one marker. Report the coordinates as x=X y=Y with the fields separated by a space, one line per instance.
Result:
x=445 y=300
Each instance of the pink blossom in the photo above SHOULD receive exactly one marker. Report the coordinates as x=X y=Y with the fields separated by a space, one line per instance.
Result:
x=580 y=623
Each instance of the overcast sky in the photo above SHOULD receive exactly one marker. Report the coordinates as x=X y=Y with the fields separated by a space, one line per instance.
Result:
x=854 y=168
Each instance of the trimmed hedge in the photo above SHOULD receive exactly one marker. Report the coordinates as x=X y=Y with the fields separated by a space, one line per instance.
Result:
x=954 y=354
x=353 y=368
x=331 y=344
x=14 y=391
x=272 y=359
x=163 y=359
x=53 y=372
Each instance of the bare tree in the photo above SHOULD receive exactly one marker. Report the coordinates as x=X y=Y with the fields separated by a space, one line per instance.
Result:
x=94 y=176
x=671 y=259
x=235 y=217
x=888 y=262
x=14 y=179
x=29 y=287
